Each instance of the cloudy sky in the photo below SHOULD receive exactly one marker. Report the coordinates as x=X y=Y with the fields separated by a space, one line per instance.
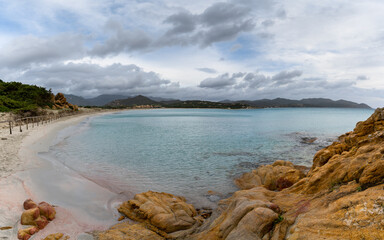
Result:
x=201 y=49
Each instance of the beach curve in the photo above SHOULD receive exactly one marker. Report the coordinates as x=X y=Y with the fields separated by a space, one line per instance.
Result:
x=24 y=174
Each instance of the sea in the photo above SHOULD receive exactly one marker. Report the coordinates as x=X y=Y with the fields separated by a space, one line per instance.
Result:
x=195 y=153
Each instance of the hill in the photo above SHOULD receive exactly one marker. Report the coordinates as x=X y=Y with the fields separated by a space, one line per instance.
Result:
x=111 y=100
x=307 y=102
x=133 y=101
x=96 y=101
x=203 y=104
x=169 y=103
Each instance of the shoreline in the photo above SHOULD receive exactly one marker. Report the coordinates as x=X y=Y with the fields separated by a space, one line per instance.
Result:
x=24 y=174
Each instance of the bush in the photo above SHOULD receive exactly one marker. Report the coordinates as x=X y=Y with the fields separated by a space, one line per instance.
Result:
x=18 y=97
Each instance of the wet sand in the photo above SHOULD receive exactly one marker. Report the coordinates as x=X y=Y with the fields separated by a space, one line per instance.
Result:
x=82 y=205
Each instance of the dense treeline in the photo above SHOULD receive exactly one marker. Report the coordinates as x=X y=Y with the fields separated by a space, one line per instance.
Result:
x=19 y=97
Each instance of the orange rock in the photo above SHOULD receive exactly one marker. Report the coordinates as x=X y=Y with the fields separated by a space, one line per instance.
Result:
x=163 y=211
x=47 y=210
x=56 y=236
x=28 y=217
x=127 y=230
x=41 y=222
x=25 y=234
x=28 y=204
x=279 y=175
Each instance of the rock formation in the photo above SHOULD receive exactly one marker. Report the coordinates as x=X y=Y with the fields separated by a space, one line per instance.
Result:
x=60 y=102
x=128 y=230
x=279 y=175
x=166 y=214
x=56 y=236
x=37 y=215
x=341 y=197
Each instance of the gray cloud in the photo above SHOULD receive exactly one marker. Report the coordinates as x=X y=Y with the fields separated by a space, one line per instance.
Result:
x=224 y=33
x=26 y=51
x=249 y=82
x=121 y=40
x=223 y=21
x=268 y=23
x=183 y=22
x=253 y=80
x=207 y=70
x=282 y=14
x=221 y=81
x=223 y=12
x=285 y=77
x=92 y=79
x=362 y=77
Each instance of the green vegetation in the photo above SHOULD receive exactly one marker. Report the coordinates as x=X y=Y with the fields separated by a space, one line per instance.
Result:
x=279 y=219
x=18 y=97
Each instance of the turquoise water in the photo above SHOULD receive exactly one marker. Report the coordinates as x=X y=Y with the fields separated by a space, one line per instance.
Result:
x=191 y=151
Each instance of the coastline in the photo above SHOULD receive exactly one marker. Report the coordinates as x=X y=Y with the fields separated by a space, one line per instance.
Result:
x=24 y=174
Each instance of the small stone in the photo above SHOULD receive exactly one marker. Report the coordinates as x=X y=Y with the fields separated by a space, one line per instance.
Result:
x=5 y=228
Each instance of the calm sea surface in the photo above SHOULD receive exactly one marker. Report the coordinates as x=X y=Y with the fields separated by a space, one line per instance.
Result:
x=191 y=151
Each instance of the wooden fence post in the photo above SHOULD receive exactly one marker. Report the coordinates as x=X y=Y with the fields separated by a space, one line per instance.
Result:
x=20 y=125
x=10 y=127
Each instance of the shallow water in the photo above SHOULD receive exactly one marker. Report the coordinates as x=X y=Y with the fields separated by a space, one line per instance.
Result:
x=191 y=151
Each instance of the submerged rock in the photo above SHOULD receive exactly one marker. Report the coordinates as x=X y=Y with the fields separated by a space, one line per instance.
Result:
x=308 y=140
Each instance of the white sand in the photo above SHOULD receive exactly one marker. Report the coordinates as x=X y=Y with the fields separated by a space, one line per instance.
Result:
x=24 y=175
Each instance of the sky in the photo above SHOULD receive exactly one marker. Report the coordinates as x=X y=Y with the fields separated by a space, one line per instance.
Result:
x=201 y=49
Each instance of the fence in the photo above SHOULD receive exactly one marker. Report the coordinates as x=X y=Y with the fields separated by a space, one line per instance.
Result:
x=31 y=122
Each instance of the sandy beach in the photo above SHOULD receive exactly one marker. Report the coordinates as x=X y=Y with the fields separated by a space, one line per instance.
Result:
x=23 y=175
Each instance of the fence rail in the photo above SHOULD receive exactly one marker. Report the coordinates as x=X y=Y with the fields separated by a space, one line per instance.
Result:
x=31 y=122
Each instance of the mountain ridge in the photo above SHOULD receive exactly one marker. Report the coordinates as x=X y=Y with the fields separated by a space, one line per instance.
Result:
x=111 y=100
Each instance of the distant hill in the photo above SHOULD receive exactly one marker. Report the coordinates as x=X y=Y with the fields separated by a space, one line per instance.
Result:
x=96 y=101
x=160 y=99
x=142 y=100
x=133 y=101
x=112 y=100
x=307 y=102
x=203 y=104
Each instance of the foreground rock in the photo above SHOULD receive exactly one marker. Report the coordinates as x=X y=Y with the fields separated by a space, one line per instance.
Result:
x=341 y=197
x=36 y=215
x=279 y=175
x=127 y=230
x=164 y=213
x=56 y=236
